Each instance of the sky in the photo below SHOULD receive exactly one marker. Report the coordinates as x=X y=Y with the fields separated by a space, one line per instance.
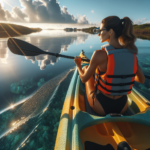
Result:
x=87 y=12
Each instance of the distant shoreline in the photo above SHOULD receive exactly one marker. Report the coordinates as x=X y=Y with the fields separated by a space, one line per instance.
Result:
x=140 y=31
x=87 y=30
x=11 y=30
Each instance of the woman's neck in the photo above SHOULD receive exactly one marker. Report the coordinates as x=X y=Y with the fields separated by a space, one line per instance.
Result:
x=115 y=43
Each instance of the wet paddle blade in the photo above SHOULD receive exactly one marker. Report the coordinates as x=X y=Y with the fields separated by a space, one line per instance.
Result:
x=20 y=47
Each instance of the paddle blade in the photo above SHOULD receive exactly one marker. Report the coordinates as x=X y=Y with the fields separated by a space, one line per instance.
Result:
x=20 y=47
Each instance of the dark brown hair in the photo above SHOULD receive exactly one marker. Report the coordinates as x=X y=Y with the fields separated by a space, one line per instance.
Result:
x=123 y=31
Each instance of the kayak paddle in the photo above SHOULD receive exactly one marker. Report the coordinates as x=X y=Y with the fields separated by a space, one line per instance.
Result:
x=21 y=47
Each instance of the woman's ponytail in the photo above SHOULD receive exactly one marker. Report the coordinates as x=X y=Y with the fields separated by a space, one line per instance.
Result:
x=127 y=38
x=123 y=29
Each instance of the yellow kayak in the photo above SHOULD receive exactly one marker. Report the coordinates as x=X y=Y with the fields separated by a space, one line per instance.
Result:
x=80 y=130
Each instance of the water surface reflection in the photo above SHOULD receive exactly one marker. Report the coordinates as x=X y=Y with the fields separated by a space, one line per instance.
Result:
x=17 y=69
x=33 y=89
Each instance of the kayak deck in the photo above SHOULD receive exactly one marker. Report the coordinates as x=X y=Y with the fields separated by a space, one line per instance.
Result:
x=128 y=127
x=79 y=130
x=109 y=135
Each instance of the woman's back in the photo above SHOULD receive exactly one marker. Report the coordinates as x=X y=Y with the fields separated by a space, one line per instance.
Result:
x=103 y=68
x=119 y=67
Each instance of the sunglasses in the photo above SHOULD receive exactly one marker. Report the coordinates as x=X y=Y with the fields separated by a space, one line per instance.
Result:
x=101 y=30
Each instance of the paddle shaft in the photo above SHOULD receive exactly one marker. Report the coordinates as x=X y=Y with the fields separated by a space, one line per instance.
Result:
x=21 y=47
x=56 y=54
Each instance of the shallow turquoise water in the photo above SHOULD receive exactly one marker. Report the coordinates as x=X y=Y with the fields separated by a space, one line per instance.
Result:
x=22 y=76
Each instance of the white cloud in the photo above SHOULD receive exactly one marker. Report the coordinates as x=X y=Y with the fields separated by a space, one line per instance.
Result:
x=62 y=45
x=140 y=21
x=64 y=48
x=82 y=19
x=41 y=11
x=3 y=52
x=68 y=17
x=81 y=39
x=2 y=13
x=147 y=22
x=92 y=11
x=19 y=14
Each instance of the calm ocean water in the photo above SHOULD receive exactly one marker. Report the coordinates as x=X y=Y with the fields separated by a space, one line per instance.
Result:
x=26 y=122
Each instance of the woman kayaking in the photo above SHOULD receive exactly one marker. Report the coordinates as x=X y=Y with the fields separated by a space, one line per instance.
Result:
x=113 y=69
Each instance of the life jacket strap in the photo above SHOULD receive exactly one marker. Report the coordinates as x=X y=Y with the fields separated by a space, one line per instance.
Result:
x=95 y=85
x=121 y=76
x=115 y=91
x=119 y=84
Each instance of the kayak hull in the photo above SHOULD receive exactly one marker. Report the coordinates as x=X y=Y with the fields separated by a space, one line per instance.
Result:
x=79 y=130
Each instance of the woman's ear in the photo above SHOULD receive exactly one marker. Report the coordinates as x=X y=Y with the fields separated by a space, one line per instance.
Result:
x=111 y=31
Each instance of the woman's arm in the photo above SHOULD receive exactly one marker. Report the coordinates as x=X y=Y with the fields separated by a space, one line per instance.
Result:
x=96 y=59
x=139 y=75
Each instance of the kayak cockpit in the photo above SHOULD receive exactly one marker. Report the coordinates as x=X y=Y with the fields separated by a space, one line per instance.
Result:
x=115 y=136
x=131 y=110
x=114 y=132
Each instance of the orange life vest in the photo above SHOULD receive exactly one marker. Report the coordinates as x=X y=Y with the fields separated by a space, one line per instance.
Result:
x=120 y=74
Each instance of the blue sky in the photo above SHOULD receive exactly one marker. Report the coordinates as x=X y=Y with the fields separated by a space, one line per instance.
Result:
x=135 y=9
x=77 y=11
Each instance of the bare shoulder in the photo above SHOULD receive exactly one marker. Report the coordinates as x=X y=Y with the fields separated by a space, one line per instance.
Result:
x=100 y=55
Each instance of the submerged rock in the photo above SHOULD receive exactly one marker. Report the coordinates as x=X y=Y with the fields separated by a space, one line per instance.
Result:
x=56 y=127
x=22 y=86
x=45 y=128
x=16 y=88
x=16 y=139
x=41 y=148
x=17 y=98
x=45 y=135
x=32 y=143
x=41 y=140
x=41 y=82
